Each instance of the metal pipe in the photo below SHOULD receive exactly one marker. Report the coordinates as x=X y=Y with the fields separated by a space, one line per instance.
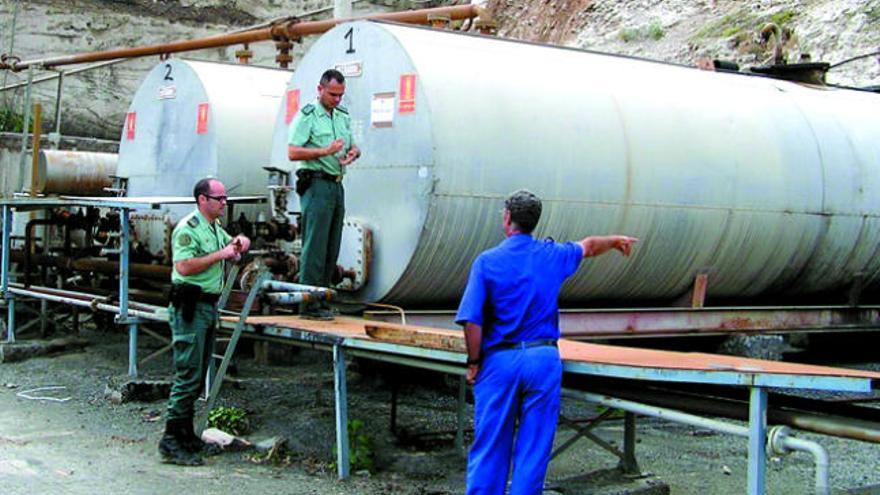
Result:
x=35 y=148
x=24 y=127
x=298 y=297
x=286 y=30
x=781 y=442
x=110 y=308
x=819 y=453
x=274 y=285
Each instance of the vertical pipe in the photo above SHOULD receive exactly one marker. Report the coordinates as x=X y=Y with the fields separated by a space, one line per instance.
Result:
x=44 y=311
x=342 y=460
x=629 y=464
x=123 y=291
x=757 y=440
x=4 y=274
x=132 y=350
x=10 y=320
x=35 y=148
x=24 y=128
x=58 y=105
x=459 y=427
x=123 y=265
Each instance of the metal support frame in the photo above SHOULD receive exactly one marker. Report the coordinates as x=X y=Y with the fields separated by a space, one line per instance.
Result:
x=24 y=128
x=341 y=393
x=4 y=276
x=123 y=318
x=757 y=440
x=628 y=463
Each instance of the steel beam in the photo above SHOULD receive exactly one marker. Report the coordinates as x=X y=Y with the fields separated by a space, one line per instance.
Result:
x=757 y=440
x=341 y=394
x=584 y=324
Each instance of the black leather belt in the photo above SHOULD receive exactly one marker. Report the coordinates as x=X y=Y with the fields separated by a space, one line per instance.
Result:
x=207 y=297
x=525 y=345
x=317 y=174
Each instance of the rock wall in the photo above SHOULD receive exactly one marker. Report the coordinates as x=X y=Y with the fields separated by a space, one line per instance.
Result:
x=683 y=31
x=94 y=102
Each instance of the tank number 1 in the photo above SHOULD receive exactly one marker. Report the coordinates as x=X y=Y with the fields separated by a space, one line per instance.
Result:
x=349 y=35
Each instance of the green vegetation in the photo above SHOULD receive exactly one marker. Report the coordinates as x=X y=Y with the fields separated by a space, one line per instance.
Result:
x=873 y=14
x=652 y=31
x=730 y=24
x=628 y=34
x=781 y=17
x=10 y=120
x=655 y=31
x=229 y=419
x=361 y=449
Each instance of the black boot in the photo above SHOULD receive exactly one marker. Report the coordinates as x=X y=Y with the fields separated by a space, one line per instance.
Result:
x=172 y=447
x=196 y=445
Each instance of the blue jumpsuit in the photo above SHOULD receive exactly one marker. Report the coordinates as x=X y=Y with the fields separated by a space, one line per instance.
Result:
x=512 y=294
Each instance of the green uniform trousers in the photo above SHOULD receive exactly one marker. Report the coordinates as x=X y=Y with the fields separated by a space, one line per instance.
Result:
x=192 y=344
x=323 y=210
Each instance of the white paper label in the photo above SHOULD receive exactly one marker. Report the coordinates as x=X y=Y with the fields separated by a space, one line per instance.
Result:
x=382 y=110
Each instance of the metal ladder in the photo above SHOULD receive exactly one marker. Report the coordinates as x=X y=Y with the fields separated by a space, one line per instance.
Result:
x=215 y=380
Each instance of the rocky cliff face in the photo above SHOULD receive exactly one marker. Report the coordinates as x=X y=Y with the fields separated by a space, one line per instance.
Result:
x=94 y=102
x=681 y=31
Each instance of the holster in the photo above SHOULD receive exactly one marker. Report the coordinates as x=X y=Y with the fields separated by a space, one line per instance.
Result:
x=184 y=297
x=303 y=180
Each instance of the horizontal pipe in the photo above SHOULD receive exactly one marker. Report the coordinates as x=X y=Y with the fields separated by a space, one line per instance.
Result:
x=274 y=285
x=285 y=30
x=110 y=308
x=298 y=297
x=144 y=270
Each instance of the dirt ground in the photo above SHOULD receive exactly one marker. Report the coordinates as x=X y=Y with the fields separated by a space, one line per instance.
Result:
x=88 y=445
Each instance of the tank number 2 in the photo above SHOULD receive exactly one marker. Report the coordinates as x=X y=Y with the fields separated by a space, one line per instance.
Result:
x=349 y=35
x=168 y=73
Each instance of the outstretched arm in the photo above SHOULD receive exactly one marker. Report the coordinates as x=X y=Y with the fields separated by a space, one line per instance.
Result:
x=600 y=244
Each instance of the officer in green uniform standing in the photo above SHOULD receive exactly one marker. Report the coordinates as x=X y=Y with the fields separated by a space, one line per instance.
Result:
x=200 y=247
x=320 y=138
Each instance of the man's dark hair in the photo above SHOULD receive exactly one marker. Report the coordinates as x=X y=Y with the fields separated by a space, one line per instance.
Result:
x=525 y=210
x=331 y=75
x=202 y=187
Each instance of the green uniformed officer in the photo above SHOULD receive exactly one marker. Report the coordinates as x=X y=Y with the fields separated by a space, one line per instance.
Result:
x=320 y=138
x=199 y=248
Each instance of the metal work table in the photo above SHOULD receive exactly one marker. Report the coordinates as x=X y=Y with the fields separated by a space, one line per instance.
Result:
x=346 y=336
x=125 y=206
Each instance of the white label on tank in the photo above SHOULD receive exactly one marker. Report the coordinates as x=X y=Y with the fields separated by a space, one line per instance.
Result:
x=167 y=92
x=350 y=69
x=423 y=172
x=382 y=110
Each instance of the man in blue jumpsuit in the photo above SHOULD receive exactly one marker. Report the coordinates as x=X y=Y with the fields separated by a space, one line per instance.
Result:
x=511 y=319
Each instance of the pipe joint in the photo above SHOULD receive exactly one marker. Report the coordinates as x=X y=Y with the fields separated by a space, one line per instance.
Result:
x=777 y=438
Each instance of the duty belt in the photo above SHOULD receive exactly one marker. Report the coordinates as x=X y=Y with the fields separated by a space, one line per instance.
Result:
x=524 y=345
x=207 y=297
x=318 y=174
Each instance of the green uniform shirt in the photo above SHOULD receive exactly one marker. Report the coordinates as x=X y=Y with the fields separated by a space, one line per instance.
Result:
x=194 y=237
x=313 y=127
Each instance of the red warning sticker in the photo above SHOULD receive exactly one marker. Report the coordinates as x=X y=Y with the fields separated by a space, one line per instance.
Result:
x=130 y=118
x=202 y=123
x=407 y=101
x=292 y=105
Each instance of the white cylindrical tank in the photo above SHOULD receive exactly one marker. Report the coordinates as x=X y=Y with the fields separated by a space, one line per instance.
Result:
x=768 y=186
x=190 y=120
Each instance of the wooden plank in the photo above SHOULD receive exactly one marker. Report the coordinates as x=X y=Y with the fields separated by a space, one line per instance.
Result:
x=432 y=338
